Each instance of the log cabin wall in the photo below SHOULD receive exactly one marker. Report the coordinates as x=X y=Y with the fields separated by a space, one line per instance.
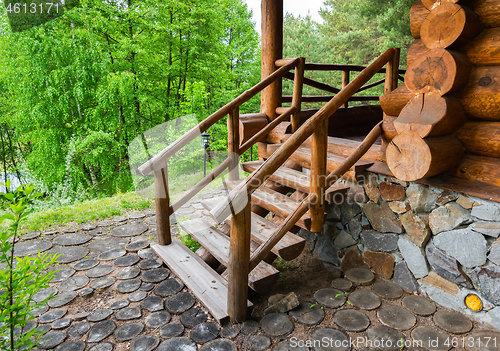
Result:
x=451 y=96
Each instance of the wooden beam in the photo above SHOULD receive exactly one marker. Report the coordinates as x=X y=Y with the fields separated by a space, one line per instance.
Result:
x=345 y=82
x=271 y=50
x=251 y=124
x=310 y=98
x=318 y=176
x=298 y=84
x=233 y=143
x=480 y=168
x=481 y=138
x=313 y=83
x=238 y=265
x=163 y=234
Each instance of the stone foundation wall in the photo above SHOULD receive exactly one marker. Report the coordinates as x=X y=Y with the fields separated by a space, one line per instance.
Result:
x=428 y=240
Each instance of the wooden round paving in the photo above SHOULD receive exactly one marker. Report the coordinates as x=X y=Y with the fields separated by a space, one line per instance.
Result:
x=396 y=317
x=387 y=290
x=365 y=300
x=452 y=322
x=360 y=276
x=419 y=305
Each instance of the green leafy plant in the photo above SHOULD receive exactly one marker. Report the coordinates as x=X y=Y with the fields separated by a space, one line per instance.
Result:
x=317 y=304
x=21 y=278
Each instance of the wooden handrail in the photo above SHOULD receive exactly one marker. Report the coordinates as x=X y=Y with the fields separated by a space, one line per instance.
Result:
x=313 y=83
x=200 y=186
x=162 y=157
x=321 y=98
x=303 y=207
x=264 y=131
x=250 y=184
x=331 y=66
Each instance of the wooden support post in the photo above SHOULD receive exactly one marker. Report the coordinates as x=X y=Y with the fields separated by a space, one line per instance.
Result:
x=238 y=265
x=272 y=50
x=318 y=176
x=345 y=80
x=233 y=140
x=389 y=77
x=395 y=68
x=298 y=83
x=162 y=200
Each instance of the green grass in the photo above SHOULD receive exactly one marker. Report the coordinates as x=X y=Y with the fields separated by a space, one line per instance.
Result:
x=86 y=211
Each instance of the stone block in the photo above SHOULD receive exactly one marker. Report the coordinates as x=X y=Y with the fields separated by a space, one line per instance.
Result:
x=343 y=240
x=494 y=255
x=489 y=282
x=414 y=257
x=441 y=297
x=439 y=282
x=391 y=192
x=486 y=228
x=382 y=218
x=417 y=227
x=286 y=304
x=446 y=266
x=353 y=259
x=371 y=189
x=486 y=212
x=418 y=195
x=465 y=202
x=310 y=238
x=396 y=181
x=325 y=251
x=332 y=211
x=381 y=263
x=376 y=241
x=448 y=217
x=404 y=278
x=349 y=210
x=355 y=227
x=466 y=246
x=446 y=196
x=400 y=207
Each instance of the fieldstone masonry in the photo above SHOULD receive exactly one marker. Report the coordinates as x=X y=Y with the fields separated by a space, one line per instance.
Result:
x=428 y=240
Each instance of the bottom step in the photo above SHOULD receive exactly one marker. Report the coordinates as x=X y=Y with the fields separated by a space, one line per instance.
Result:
x=203 y=281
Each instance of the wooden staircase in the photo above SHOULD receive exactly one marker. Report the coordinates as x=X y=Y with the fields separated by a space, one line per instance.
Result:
x=253 y=241
x=216 y=239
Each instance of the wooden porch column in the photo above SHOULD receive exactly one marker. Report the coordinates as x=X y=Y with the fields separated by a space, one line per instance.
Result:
x=318 y=176
x=233 y=143
x=238 y=265
x=162 y=205
x=345 y=80
x=272 y=50
x=392 y=72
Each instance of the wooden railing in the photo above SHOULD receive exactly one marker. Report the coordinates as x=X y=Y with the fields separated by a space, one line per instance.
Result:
x=346 y=70
x=158 y=163
x=237 y=202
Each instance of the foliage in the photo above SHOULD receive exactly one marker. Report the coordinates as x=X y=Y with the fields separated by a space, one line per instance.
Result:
x=76 y=91
x=21 y=278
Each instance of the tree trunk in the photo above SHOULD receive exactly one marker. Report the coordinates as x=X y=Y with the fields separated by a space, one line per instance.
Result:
x=396 y=100
x=431 y=115
x=488 y=12
x=449 y=26
x=481 y=138
x=411 y=158
x=418 y=13
x=417 y=49
x=480 y=98
x=484 y=49
x=438 y=70
x=388 y=130
x=431 y=4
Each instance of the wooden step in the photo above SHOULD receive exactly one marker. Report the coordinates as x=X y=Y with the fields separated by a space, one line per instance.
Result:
x=261 y=279
x=277 y=203
x=288 y=248
x=303 y=157
x=209 y=287
x=296 y=180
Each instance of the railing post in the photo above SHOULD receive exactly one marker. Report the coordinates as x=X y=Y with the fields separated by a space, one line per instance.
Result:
x=233 y=143
x=298 y=84
x=238 y=265
x=392 y=72
x=318 y=176
x=345 y=80
x=162 y=200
